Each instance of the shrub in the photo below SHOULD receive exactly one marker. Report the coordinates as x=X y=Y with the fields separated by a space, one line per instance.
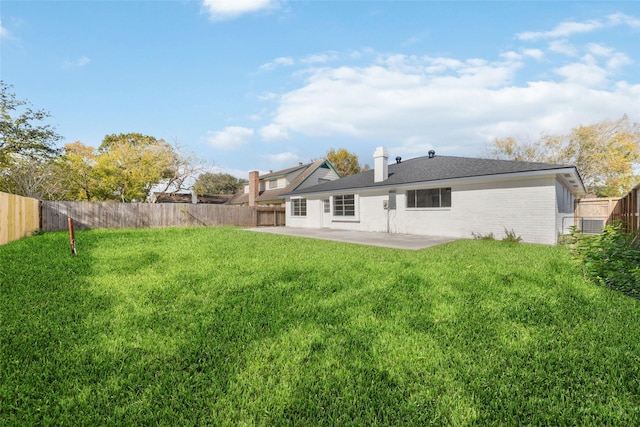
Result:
x=511 y=236
x=479 y=236
x=611 y=258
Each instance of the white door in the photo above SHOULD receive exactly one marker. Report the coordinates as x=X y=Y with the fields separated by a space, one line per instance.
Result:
x=326 y=213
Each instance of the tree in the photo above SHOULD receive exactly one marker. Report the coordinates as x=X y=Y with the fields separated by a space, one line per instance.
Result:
x=605 y=154
x=346 y=163
x=184 y=169
x=217 y=183
x=128 y=166
x=125 y=167
x=76 y=169
x=20 y=135
x=32 y=177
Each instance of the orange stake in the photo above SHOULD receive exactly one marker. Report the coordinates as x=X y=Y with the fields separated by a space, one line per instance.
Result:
x=72 y=238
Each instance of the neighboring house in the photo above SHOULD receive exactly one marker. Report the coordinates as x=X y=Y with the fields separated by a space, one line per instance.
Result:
x=266 y=190
x=444 y=196
x=212 y=199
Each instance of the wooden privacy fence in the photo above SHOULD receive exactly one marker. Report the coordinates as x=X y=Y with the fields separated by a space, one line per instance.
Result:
x=629 y=208
x=19 y=216
x=147 y=215
x=596 y=213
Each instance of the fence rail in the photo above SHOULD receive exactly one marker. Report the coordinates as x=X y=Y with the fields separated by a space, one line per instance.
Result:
x=629 y=210
x=19 y=216
x=625 y=209
x=146 y=215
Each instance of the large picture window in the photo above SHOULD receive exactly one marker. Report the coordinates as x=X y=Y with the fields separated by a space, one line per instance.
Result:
x=298 y=207
x=344 y=205
x=431 y=198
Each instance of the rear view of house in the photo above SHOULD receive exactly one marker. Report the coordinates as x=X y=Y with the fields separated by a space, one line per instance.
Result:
x=444 y=196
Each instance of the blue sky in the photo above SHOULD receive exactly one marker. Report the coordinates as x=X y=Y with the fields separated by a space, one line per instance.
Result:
x=265 y=84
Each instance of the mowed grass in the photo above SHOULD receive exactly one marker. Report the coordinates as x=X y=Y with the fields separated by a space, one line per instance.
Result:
x=222 y=326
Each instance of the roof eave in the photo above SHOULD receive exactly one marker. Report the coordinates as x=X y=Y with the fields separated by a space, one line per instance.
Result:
x=445 y=181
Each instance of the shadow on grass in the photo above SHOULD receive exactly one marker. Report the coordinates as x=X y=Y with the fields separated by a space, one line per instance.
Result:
x=46 y=338
x=223 y=327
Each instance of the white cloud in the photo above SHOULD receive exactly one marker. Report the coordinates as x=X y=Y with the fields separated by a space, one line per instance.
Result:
x=511 y=56
x=4 y=33
x=564 y=29
x=282 y=158
x=76 y=63
x=567 y=29
x=282 y=61
x=615 y=59
x=220 y=10
x=273 y=132
x=454 y=106
x=584 y=74
x=622 y=19
x=533 y=53
x=238 y=173
x=229 y=138
x=321 y=58
x=599 y=49
x=563 y=47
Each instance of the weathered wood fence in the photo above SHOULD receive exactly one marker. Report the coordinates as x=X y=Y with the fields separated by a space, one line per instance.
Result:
x=629 y=210
x=602 y=208
x=147 y=215
x=19 y=217
x=607 y=210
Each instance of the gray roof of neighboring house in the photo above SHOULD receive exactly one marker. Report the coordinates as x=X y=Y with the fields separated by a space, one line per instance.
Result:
x=267 y=195
x=426 y=169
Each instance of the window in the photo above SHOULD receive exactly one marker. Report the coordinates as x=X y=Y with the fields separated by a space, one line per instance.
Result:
x=326 y=205
x=431 y=198
x=298 y=207
x=273 y=184
x=344 y=205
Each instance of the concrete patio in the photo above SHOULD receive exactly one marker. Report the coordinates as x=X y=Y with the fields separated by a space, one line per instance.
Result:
x=387 y=240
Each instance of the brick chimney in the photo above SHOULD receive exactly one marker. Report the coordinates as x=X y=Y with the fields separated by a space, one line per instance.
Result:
x=380 y=166
x=254 y=187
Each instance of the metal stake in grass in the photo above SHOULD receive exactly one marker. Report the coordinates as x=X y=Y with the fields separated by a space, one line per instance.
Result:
x=72 y=238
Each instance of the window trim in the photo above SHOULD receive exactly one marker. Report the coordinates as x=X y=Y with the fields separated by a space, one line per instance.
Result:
x=416 y=198
x=341 y=206
x=299 y=207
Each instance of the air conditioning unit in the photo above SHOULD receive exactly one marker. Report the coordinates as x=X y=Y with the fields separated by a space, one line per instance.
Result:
x=592 y=225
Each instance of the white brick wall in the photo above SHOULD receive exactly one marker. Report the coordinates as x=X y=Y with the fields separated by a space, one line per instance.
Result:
x=528 y=206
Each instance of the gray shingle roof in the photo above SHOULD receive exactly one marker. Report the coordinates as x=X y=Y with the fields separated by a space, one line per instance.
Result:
x=425 y=169
x=269 y=195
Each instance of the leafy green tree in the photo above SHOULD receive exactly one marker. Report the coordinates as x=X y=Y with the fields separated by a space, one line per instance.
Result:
x=125 y=167
x=76 y=170
x=605 y=153
x=217 y=183
x=20 y=132
x=128 y=166
x=346 y=163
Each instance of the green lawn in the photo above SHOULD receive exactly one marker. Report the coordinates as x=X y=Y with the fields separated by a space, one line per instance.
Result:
x=222 y=326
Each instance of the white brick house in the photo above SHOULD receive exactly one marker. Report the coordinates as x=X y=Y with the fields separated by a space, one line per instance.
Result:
x=444 y=196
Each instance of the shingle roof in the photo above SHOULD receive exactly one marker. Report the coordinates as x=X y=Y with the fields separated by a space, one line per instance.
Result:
x=425 y=169
x=267 y=195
